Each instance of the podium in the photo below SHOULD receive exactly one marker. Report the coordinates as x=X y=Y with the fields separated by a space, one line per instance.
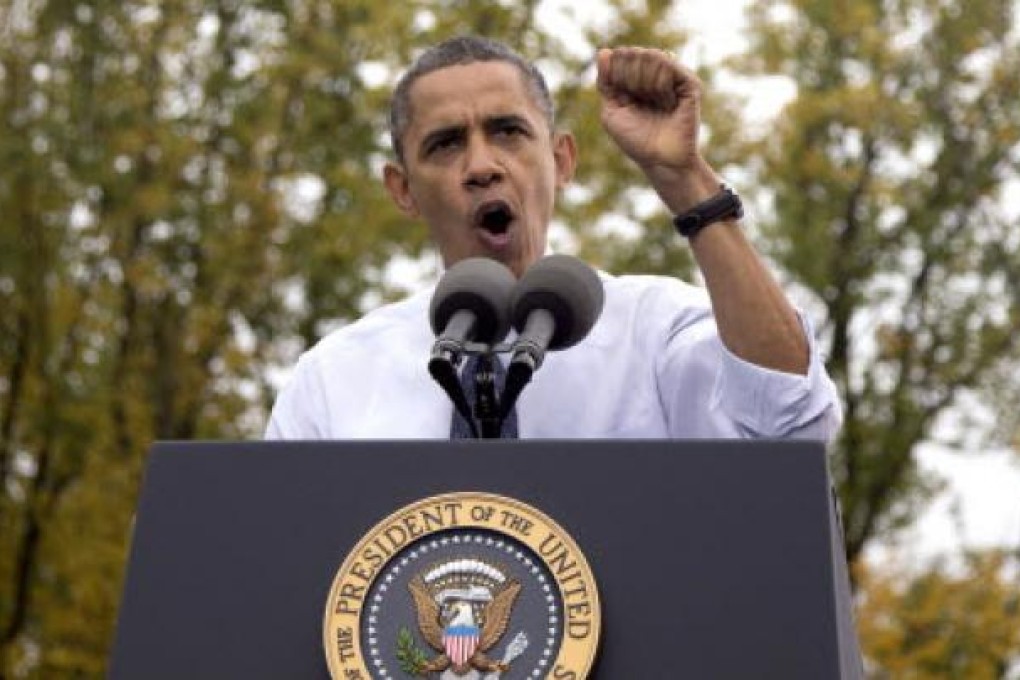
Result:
x=713 y=559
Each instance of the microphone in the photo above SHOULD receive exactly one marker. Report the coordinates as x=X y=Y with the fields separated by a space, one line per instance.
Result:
x=470 y=304
x=553 y=307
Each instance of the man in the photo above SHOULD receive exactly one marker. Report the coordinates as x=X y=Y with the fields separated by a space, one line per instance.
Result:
x=479 y=161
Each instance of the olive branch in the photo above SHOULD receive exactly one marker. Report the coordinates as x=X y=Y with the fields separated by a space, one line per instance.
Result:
x=411 y=658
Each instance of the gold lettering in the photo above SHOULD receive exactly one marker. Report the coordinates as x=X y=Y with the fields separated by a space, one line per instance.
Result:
x=579 y=609
x=451 y=509
x=558 y=559
x=345 y=644
x=396 y=535
x=581 y=591
x=349 y=592
x=433 y=521
x=515 y=522
x=386 y=552
x=578 y=630
x=373 y=558
x=412 y=526
x=358 y=570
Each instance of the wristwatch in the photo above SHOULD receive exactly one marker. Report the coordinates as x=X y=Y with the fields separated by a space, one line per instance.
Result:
x=724 y=205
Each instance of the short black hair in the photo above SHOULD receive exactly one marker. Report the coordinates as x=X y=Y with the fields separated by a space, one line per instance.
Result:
x=465 y=49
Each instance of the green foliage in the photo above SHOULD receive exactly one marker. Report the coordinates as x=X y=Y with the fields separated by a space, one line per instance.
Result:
x=411 y=658
x=888 y=174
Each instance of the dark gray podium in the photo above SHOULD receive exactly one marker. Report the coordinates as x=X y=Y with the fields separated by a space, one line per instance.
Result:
x=713 y=559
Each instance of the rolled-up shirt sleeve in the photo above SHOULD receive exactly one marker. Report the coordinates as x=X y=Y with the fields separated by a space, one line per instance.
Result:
x=709 y=392
x=767 y=403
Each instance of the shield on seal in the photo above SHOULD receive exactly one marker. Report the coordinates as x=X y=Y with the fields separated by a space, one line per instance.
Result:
x=460 y=642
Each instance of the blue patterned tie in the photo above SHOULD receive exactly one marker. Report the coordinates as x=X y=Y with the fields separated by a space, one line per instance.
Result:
x=459 y=428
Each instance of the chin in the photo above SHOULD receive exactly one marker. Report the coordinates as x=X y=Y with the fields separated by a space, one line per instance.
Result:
x=517 y=266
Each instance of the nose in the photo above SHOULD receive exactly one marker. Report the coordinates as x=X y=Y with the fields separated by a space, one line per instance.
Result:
x=482 y=167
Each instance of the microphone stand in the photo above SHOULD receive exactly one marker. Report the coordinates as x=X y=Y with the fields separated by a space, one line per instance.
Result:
x=484 y=417
x=443 y=368
x=486 y=407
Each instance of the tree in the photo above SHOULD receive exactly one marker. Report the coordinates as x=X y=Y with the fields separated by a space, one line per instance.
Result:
x=942 y=623
x=885 y=183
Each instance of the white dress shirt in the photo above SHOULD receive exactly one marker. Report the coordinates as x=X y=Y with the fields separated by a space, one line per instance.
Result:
x=652 y=367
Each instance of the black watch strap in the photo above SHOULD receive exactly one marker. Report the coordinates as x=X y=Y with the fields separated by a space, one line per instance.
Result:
x=724 y=205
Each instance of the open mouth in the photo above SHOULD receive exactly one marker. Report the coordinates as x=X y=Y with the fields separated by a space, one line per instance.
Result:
x=494 y=217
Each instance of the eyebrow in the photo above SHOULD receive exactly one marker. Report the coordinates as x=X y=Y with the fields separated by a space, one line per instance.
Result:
x=443 y=133
x=494 y=123
x=491 y=124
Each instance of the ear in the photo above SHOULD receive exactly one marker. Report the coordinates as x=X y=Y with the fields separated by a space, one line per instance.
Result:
x=565 y=156
x=395 y=179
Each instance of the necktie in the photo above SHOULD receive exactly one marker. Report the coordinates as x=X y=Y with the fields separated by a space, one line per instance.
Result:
x=459 y=428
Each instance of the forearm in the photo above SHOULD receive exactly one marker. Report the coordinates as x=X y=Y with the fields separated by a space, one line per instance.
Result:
x=756 y=321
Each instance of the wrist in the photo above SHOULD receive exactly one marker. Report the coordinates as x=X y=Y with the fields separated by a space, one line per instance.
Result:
x=724 y=206
x=682 y=188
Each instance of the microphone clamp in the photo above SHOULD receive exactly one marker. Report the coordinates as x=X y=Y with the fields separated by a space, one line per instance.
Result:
x=528 y=353
x=448 y=350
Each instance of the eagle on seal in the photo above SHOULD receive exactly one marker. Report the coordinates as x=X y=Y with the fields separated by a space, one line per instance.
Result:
x=447 y=639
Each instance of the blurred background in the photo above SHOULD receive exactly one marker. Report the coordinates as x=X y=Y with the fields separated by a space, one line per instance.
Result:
x=190 y=197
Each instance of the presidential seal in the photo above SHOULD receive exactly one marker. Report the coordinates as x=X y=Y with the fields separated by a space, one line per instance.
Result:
x=463 y=586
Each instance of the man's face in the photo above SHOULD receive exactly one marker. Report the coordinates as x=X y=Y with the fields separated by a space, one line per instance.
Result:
x=481 y=166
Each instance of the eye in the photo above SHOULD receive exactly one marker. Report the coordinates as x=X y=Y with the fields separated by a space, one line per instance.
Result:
x=510 y=130
x=442 y=143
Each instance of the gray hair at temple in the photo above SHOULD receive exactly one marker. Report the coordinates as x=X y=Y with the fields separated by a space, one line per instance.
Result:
x=459 y=51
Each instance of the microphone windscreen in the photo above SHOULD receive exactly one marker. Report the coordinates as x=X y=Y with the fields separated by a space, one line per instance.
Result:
x=568 y=288
x=480 y=285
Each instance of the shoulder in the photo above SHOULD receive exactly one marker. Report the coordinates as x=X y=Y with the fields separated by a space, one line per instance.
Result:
x=330 y=379
x=643 y=287
x=385 y=336
x=392 y=326
x=649 y=311
x=655 y=298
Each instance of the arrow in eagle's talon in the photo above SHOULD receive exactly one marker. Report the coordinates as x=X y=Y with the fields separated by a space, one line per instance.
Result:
x=513 y=650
